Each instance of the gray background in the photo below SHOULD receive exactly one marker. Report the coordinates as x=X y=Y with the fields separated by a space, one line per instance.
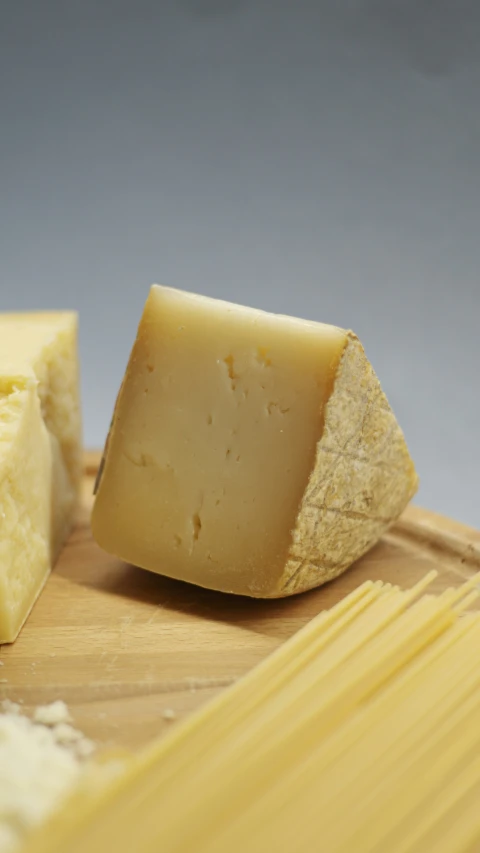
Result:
x=314 y=158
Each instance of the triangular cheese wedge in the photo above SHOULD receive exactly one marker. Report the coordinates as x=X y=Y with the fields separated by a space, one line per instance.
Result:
x=40 y=454
x=249 y=452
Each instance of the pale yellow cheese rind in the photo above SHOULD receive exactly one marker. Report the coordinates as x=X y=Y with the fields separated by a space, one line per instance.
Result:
x=40 y=454
x=248 y=452
x=362 y=479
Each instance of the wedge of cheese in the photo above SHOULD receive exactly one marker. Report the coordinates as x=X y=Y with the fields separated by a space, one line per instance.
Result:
x=248 y=452
x=40 y=454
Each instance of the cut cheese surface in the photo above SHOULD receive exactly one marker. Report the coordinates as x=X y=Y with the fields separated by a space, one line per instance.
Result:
x=40 y=454
x=249 y=452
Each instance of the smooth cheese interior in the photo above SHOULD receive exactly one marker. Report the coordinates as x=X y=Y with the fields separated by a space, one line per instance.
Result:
x=40 y=454
x=213 y=440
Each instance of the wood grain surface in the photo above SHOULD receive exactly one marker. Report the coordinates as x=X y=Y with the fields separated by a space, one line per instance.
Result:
x=122 y=646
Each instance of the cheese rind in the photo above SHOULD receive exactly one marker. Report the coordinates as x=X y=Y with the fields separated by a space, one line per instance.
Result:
x=362 y=479
x=40 y=454
x=248 y=452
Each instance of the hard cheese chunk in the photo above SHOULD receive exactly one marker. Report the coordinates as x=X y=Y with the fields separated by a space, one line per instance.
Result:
x=248 y=452
x=40 y=454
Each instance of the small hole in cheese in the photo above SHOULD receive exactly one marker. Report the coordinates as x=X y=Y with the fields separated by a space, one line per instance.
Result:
x=197 y=526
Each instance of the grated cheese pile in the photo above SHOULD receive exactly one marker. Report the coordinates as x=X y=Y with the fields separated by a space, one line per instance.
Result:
x=40 y=762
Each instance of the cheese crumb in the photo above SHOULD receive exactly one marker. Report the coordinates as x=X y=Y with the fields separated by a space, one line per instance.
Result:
x=169 y=714
x=64 y=733
x=9 y=707
x=85 y=748
x=40 y=763
x=50 y=715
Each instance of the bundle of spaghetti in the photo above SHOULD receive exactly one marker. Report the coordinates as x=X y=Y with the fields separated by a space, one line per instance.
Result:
x=361 y=733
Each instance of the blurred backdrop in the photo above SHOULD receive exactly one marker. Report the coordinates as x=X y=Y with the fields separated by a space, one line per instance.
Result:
x=317 y=157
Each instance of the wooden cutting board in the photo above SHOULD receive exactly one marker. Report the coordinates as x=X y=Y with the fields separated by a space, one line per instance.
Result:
x=122 y=646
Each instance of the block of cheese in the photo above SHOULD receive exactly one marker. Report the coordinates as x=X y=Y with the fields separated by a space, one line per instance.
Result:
x=248 y=452
x=40 y=454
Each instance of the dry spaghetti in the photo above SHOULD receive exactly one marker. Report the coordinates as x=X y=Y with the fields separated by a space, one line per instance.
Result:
x=361 y=733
